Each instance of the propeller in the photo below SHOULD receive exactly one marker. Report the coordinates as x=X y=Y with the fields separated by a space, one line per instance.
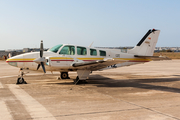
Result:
x=40 y=61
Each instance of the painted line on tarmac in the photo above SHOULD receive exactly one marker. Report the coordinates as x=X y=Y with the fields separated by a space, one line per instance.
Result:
x=1 y=86
x=4 y=112
x=25 y=75
x=33 y=107
x=8 y=76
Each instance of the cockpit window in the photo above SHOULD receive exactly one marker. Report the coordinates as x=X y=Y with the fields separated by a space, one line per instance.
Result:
x=55 y=48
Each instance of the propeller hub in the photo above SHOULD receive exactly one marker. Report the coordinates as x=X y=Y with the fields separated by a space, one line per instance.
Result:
x=39 y=60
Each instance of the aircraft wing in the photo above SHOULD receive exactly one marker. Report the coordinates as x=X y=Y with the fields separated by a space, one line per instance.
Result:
x=154 y=58
x=95 y=65
x=87 y=63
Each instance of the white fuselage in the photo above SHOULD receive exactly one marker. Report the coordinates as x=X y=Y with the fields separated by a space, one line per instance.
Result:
x=63 y=58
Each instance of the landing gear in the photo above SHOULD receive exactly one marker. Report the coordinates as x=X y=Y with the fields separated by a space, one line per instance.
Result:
x=78 y=81
x=64 y=75
x=21 y=80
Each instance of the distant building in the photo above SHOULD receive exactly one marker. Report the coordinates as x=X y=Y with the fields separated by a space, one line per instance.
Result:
x=26 y=50
x=32 y=49
x=12 y=53
x=2 y=53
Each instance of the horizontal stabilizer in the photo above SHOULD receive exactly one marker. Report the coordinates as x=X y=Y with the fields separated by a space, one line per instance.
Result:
x=155 y=58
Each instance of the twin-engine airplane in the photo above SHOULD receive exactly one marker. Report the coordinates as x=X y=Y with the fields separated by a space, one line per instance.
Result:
x=84 y=60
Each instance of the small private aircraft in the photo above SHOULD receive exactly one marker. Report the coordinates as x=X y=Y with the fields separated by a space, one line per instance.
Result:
x=66 y=57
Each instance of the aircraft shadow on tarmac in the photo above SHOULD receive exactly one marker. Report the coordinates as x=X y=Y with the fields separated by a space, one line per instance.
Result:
x=161 y=84
x=176 y=75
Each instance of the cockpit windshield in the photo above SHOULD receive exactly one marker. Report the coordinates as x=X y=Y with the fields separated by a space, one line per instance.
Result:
x=55 y=48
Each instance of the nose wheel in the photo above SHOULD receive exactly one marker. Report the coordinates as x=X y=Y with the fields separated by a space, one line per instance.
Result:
x=20 y=79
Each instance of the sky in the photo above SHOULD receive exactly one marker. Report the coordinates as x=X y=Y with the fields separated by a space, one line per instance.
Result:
x=107 y=23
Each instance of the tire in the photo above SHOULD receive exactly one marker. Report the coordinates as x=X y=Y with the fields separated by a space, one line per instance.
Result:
x=20 y=80
x=64 y=75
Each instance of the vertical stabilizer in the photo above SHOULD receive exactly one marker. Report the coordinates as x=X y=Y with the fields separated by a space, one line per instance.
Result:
x=147 y=44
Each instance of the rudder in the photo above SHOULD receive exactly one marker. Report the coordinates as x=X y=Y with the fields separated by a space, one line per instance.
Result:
x=147 y=44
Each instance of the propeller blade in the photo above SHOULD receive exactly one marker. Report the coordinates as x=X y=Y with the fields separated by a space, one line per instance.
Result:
x=42 y=64
x=40 y=61
x=38 y=66
x=41 y=49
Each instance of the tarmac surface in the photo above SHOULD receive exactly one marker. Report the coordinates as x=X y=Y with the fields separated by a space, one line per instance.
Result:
x=149 y=91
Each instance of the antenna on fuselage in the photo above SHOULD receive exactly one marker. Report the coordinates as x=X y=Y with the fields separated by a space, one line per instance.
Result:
x=91 y=44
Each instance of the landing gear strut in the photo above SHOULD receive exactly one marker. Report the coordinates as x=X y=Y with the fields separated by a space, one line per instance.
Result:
x=21 y=80
x=82 y=76
x=78 y=81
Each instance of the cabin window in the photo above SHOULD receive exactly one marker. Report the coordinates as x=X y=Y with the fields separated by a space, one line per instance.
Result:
x=102 y=53
x=81 y=50
x=67 y=50
x=55 y=48
x=93 y=52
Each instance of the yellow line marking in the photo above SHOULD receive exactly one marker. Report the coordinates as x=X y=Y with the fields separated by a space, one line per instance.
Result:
x=90 y=58
x=134 y=59
x=67 y=58
x=24 y=59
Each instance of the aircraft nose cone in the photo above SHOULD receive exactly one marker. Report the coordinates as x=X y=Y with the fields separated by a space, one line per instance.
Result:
x=11 y=62
x=8 y=60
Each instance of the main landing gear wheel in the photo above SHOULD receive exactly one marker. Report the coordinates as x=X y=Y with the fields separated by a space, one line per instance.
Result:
x=64 y=75
x=21 y=80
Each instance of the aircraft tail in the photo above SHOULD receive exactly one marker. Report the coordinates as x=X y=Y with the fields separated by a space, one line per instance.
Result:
x=147 y=44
